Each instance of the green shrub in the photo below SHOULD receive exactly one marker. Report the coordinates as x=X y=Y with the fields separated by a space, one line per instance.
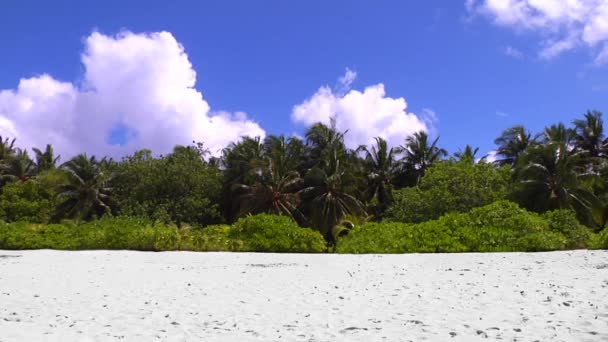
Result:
x=566 y=223
x=506 y=215
x=498 y=227
x=261 y=233
x=542 y=241
x=272 y=233
x=599 y=240
x=450 y=186
x=27 y=201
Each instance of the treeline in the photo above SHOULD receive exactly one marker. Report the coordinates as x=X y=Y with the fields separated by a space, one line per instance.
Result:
x=317 y=181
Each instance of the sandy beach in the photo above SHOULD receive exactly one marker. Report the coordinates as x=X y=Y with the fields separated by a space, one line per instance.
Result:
x=142 y=296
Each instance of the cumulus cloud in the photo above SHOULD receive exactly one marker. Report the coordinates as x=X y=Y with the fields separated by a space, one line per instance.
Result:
x=137 y=91
x=365 y=114
x=563 y=24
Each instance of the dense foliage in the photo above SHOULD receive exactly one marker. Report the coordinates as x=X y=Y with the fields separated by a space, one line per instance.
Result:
x=499 y=227
x=558 y=180
x=450 y=186
x=256 y=233
x=178 y=188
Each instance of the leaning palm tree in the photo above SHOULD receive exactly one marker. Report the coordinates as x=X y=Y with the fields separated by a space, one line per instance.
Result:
x=19 y=167
x=419 y=154
x=381 y=165
x=511 y=144
x=45 y=160
x=86 y=193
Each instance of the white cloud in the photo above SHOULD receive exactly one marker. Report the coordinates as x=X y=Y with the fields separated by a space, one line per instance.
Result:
x=365 y=114
x=492 y=156
x=513 y=52
x=345 y=82
x=140 y=86
x=563 y=24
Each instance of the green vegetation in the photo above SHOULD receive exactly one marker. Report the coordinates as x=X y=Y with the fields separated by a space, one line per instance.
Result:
x=499 y=227
x=251 y=234
x=547 y=191
x=450 y=186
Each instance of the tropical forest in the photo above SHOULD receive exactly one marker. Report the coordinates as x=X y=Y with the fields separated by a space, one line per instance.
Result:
x=541 y=191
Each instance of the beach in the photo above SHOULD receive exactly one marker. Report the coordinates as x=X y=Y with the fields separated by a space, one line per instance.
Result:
x=182 y=296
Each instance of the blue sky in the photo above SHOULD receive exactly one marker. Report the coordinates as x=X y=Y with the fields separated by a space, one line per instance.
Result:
x=469 y=62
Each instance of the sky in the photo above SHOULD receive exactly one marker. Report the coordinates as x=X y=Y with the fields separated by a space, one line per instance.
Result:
x=111 y=77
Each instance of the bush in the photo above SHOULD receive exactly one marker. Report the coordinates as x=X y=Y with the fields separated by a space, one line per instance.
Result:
x=499 y=227
x=450 y=186
x=566 y=223
x=272 y=233
x=506 y=215
x=27 y=201
x=261 y=233
x=599 y=240
x=179 y=188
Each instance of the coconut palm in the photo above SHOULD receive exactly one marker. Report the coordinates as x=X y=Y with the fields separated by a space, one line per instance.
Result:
x=243 y=159
x=86 y=193
x=468 y=154
x=511 y=144
x=552 y=178
x=7 y=148
x=419 y=154
x=589 y=134
x=272 y=187
x=326 y=146
x=283 y=155
x=558 y=134
x=381 y=165
x=19 y=167
x=270 y=195
x=45 y=160
x=326 y=202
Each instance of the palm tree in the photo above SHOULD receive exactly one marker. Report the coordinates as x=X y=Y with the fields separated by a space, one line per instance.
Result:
x=7 y=148
x=511 y=144
x=45 y=160
x=552 y=178
x=381 y=166
x=271 y=188
x=468 y=154
x=325 y=200
x=243 y=159
x=283 y=155
x=558 y=134
x=270 y=195
x=419 y=154
x=86 y=193
x=589 y=134
x=19 y=167
x=326 y=146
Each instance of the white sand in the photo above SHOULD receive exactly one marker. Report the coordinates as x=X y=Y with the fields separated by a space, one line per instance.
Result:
x=135 y=296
